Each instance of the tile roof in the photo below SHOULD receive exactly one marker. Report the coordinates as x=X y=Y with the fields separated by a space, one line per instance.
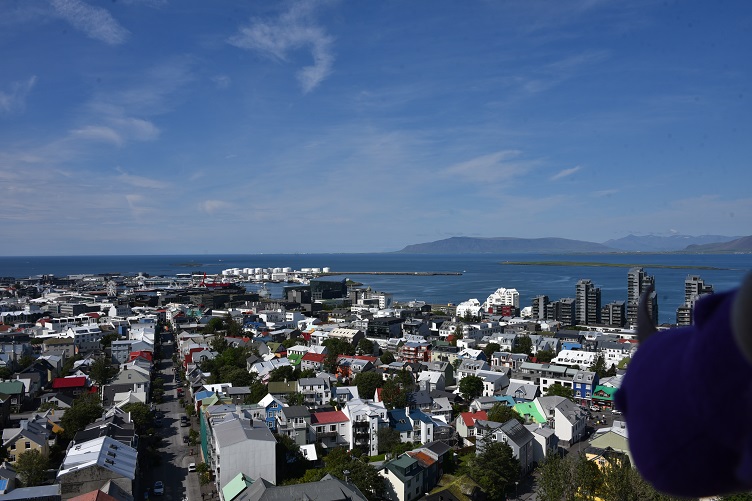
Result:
x=69 y=382
x=328 y=417
x=470 y=417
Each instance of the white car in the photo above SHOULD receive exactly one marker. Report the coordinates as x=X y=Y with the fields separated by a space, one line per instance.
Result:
x=158 y=488
x=192 y=467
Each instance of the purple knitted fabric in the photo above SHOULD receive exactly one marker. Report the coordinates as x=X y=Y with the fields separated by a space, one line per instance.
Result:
x=687 y=400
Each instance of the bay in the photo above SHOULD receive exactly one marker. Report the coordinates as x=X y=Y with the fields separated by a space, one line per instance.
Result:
x=481 y=274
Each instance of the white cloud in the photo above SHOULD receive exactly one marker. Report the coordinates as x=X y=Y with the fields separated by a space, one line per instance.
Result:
x=564 y=173
x=15 y=98
x=98 y=133
x=213 y=206
x=293 y=30
x=491 y=168
x=605 y=193
x=141 y=181
x=95 y=22
x=136 y=128
x=222 y=81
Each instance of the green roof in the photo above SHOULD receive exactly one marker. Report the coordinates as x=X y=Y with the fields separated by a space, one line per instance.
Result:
x=294 y=358
x=282 y=387
x=608 y=390
x=529 y=408
x=12 y=387
x=236 y=486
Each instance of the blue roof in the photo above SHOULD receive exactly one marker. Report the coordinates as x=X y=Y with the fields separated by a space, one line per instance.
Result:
x=203 y=394
x=3 y=484
x=571 y=346
x=510 y=401
x=398 y=420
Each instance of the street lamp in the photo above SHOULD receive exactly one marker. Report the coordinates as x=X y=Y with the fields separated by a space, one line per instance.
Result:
x=516 y=496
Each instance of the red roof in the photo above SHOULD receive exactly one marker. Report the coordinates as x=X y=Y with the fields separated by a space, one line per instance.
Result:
x=92 y=314
x=422 y=457
x=470 y=417
x=69 y=382
x=140 y=354
x=94 y=496
x=314 y=357
x=328 y=417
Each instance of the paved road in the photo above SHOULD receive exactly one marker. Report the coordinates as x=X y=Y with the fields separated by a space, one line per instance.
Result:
x=175 y=456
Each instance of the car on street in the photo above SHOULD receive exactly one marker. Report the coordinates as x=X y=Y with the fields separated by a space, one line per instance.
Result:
x=158 y=488
x=184 y=421
x=185 y=439
x=192 y=467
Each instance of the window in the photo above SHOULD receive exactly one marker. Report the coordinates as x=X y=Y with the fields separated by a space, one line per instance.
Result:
x=28 y=445
x=333 y=427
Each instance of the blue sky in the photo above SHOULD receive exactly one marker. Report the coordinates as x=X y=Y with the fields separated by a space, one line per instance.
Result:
x=158 y=127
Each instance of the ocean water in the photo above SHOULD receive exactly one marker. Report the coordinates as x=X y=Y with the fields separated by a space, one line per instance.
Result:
x=481 y=274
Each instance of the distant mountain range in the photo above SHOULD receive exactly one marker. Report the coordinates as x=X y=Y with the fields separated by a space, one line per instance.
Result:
x=631 y=243
x=655 y=243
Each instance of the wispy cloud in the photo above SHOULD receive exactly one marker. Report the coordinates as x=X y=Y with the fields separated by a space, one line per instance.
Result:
x=492 y=168
x=212 y=207
x=141 y=181
x=565 y=173
x=605 y=193
x=15 y=98
x=222 y=81
x=97 y=133
x=95 y=22
x=293 y=30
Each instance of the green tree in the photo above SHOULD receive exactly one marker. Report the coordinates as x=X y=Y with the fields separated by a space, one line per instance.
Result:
x=387 y=357
x=85 y=410
x=290 y=461
x=389 y=438
x=365 y=347
x=611 y=370
x=5 y=373
x=101 y=371
x=334 y=348
x=283 y=373
x=393 y=395
x=32 y=467
x=296 y=398
x=362 y=474
x=544 y=356
x=306 y=373
x=494 y=468
x=367 y=382
x=490 y=349
x=556 y=479
x=258 y=391
x=557 y=389
x=523 y=344
x=599 y=366
x=107 y=339
x=141 y=417
x=501 y=413
x=471 y=387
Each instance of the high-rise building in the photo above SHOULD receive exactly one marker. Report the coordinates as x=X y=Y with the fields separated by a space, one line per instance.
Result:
x=588 y=298
x=637 y=283
x=563 y=310
x=539 y=307
x=694 y=288
x=613 y=314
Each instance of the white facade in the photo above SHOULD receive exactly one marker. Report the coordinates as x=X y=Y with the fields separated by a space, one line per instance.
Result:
x=503 y=297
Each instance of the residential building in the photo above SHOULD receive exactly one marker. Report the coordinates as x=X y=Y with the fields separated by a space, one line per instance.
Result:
x=413 y=352
x=404 y=478
x=564 y=416
x=588 y=298
x=512 y=433
x=583 y=386
x=294 y=422
x=637 y=283
x=243 y=446
x=89 y=465
x=316 y=391
x=365 y=419
x=614 y=314
x=413 y=425
x=331 y=428
x=539 y=307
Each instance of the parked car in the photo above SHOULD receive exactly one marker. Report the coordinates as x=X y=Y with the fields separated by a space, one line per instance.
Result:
x=594 y=408
x=158 y=488
x=185 y=439
x=192 y=467
x=184 y=421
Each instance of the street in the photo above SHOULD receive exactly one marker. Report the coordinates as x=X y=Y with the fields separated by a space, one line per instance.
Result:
x=174 y=455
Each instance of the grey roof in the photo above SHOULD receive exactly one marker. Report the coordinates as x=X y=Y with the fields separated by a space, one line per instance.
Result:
x=296 y=411
x=38 y=492
x=516 y=432
x=328 y=488
x=236 y=431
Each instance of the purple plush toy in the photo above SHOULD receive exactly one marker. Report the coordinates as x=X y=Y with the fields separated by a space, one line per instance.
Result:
x=687 y=399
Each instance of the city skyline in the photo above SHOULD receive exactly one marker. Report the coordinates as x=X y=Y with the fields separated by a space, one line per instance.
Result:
x=165 y=127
